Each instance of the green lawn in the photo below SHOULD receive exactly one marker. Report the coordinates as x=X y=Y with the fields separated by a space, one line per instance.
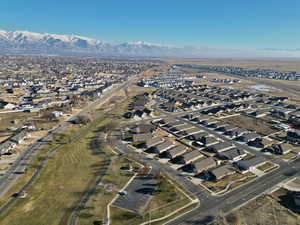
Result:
x=60 y=185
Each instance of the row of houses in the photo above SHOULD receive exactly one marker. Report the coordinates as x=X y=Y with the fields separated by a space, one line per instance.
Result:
x=243 y=72
x=227 y=158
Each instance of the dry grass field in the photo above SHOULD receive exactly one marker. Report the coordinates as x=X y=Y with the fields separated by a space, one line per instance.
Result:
x=276 y=64
x=266 y=210
x=255 y=124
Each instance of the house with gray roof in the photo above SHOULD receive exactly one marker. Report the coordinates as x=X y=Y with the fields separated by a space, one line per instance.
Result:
x=282 y=149
x=248 y=164
x=203 y=164
x=222 y=171
x=175 y=151
x=197 y=136
x=220 y=147
x=158 y=149
x=188 y=157
x=153 y=141
x=141 y=137
x=233 y=154
x=250 y=137
x=208 y=141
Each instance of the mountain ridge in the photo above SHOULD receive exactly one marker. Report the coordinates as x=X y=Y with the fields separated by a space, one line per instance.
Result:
x=45 y=43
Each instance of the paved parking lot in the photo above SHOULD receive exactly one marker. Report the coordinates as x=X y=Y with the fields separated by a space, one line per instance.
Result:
x=139 y=192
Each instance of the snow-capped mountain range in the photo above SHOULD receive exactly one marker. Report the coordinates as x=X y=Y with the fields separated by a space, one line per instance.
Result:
x=26 y=42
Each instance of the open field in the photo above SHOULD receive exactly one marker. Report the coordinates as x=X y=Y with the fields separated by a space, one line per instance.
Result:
x=265 y=210
x=60 y=184
x=276 y=64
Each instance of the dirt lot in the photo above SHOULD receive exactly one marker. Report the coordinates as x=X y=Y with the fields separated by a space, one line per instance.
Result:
x=266 y=210
x=251 y=124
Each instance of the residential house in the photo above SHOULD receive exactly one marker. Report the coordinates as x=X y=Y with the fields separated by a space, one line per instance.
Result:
x=143 y=128
x=237 y=132
x=175 y=151
x=250 y=137
x=203 y=164
x=260 y=113
x=281 y=149
x=153 y=141
x=261 y=143
x=220 y=147
x=188 y=157
x=234 y=154
x=141 y=137
x=190 y=131
x=208 y=141
x=219 y=125
x=210 y=122
x=294 y=136
x=227 y=128
x=221 y=172
x=248 y=164
x=160 y=148
x=197 y=136
x=180 y=127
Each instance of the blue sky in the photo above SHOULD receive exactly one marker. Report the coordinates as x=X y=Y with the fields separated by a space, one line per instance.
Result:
x=221 y=23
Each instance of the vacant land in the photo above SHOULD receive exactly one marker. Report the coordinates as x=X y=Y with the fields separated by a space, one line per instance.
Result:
x=266 y=210
x=60 y=185
x=275 y=64
x=250 y=123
